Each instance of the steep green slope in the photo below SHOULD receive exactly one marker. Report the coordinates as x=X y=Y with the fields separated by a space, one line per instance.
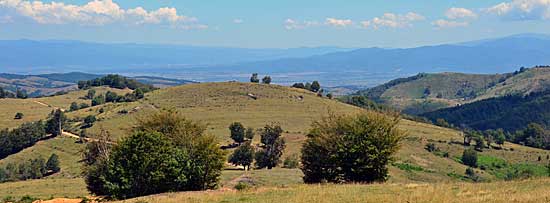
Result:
x=428 y=92
x=510 y=113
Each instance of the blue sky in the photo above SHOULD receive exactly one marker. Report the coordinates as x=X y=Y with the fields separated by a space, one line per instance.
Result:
x=280 y=23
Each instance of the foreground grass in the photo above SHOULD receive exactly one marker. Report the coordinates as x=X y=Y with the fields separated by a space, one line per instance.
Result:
x=516 y=191
x=45 y=188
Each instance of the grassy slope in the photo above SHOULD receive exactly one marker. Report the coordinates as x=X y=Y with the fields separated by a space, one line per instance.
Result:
x=516 y=191
x=219 y=104
x=36 y=109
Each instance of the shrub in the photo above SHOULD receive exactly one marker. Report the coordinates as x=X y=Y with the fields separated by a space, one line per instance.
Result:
x=89 y=121
x=237 y=132
x=430 y=147
x=19 y=116
x=53 y=164
x=351 y=148
x=242 y=186
x=207 y=159
x=469 y=157
x=146 y=163
x=291 y=162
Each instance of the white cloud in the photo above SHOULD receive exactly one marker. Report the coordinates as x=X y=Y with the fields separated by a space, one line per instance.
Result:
x=456 y=17
x=392 y=20
x=449 y=23
x=238 y=21
x=97 y=12
x=291 y=24
x=522 y=10
x=338 y=22
x=459 y=13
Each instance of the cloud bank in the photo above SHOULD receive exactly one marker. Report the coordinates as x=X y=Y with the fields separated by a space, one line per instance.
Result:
x=96 y=12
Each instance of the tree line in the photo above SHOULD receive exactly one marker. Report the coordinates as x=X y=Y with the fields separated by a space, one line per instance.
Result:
x=26 y=135
x=115 y=81
x=31 y=169
x=19 y=94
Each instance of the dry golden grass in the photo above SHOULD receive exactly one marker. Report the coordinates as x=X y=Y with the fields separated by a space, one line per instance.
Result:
x=516 y=191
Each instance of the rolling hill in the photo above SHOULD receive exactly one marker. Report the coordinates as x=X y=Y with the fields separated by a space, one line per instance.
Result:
x=219 y=104
x=49 y=84
x=428 y=92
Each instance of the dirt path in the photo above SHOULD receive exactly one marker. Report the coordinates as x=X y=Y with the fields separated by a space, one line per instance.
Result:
x=87 y=139
x=41 y=103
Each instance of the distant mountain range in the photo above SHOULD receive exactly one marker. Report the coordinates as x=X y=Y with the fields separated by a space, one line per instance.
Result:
x=331 y=65
x=48 y=84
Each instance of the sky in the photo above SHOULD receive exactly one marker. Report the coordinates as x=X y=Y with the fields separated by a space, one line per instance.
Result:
x=273 y=24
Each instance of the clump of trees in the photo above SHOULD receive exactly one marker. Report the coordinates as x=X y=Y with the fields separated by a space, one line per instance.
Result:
x=351 y=148
x=115 y=81
x=271 y=148
x=113 y=97
x=15 y=140
x=26 y=135
x=255 y=79
x=314 y=86
x=239 y=133
x=20 y=94
x=166 y=152
x=31 y=169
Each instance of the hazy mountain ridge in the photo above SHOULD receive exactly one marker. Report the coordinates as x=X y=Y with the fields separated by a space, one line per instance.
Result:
x=48 y=84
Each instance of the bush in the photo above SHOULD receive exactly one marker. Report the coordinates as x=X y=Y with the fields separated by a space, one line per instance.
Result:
x=351 y=148
x=242 y=186
x=166 y=153
x=430 y=147
x=469 y=157
x=146 y=163
x=291 y=162
x=53 y=164
x=19 y=116
x=237 y=132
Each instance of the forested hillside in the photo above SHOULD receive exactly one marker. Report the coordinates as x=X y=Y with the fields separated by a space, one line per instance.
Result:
x=429 y=92
x=511 y=113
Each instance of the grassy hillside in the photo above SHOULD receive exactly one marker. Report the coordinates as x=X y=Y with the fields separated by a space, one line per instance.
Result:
x=429 y=92
x=35 y=109
x=219 y=104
